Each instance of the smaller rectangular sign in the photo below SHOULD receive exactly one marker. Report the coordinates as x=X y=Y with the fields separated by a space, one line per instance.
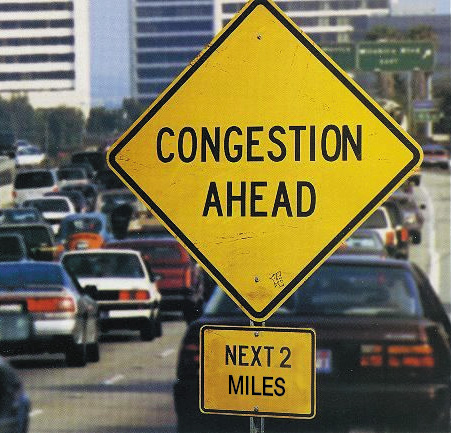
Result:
x=257 y=371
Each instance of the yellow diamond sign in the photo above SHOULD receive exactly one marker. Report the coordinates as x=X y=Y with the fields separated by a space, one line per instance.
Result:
x=262 y=157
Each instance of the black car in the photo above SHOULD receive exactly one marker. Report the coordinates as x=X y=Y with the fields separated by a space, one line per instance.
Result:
x=383 y=350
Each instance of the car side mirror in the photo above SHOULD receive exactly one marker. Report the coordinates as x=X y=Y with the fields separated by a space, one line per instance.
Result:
x=91 y=291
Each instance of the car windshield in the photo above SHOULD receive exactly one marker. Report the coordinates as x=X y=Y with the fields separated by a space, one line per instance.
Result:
x=344 y=290
x=375 y=221
x=103 y=265
x=54 y=205
x=35 y=179
x=70 y=174
x=29 y=276
x=82 y=225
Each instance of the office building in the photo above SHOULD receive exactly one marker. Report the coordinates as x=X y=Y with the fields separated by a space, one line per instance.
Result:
x=166 y=36
x=44 y=52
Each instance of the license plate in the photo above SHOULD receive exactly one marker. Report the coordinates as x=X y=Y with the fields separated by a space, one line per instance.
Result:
x=323 y=361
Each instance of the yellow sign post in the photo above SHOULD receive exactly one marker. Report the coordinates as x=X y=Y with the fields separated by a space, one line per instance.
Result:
x=257 y=371
x=262 y=157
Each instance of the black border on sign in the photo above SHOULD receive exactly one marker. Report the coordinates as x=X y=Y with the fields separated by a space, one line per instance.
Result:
x=338 y=238
x=309 y=415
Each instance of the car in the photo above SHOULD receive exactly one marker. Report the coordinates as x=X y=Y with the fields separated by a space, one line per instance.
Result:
x=83 y=165
x=64 y=314
x=19 y=215
x=91 y=222
x=89 y=192
x=39 y=240
x=381 y=223
x=29 y=156
x=53 y=209
x=17 y=327
x=108 y=200
x=363 y=242
x=72 y=176
x=76 y=197
x=96 y=159
x=34 y=183
x=181 y=282
x=382 y=349
x=12 y=248
x=435 y=155
x=412 y=215
x=106 y=179
x=126 y=292
x=402 y=233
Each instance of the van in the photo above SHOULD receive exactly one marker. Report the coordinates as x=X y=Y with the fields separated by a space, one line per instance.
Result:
x=31 y=184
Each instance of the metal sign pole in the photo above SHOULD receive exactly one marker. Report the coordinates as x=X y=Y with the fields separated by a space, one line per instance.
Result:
x=254 y=422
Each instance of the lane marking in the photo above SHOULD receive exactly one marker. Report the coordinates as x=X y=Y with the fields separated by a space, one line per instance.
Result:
x=35 y=412
x=166 y=353
x=113 y=380
x=434 y=256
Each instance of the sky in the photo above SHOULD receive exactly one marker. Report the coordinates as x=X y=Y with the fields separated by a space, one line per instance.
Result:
x=110 y=51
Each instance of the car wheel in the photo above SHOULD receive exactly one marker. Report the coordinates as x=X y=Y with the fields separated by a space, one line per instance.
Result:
x=147 y=331
x=93 y=352
x=76 y=355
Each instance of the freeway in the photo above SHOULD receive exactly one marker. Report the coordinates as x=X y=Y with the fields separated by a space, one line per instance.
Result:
x=130 y=389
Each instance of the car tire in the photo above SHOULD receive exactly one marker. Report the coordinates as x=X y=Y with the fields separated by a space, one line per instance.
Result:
x=158 y=327
x=93 y=352
x=147 y=331
x=416 y=237
x=76 y=355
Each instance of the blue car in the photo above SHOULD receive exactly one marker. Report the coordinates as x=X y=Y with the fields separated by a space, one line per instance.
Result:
x=91 y=222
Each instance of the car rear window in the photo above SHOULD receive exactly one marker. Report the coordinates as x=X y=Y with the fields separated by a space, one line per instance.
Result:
x=344 y=290
x=10 y=249
x=364 y=241
x=21 y=216
x=56 y=205
x=100 y=265
x=111 y=201
x=82 y=225
x=34 y=237
x=375 y=221
x=161 y=253
x=70 y=174
x=31 y=276
x=35 y=179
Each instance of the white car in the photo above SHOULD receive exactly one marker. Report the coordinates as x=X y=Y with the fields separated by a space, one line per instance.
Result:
x=29 y=156
x=69 y=176
x=53 y=209
x=127 y=295
x=34 y=183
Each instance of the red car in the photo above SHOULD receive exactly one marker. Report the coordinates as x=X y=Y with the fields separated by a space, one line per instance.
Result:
x=181 y=282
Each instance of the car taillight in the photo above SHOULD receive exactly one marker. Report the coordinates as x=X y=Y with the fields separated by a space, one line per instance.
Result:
x=55 y=189
x=63 y=304
x=404 y=235
x=397 y=356
x=188 y=277
x=371 y=355
x=134 y=295
x=390 y=238
x=411 y=356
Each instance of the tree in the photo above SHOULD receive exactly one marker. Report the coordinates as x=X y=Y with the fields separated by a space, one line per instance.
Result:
x=102 y=121
x=60 y=128
x=445 y=108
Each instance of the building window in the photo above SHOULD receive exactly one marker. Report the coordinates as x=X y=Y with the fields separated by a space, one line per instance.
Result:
x=160 y=72
x=167 y=57
x=38 y=58
x=64 y=40
x=172 y=41
x=183 y=26
x=36 y=24
x=177 y=11
x=36 y=6
x=24 y=76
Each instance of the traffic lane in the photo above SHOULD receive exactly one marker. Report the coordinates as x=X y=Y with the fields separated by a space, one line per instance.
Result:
x=129 y=390
x=433 y=254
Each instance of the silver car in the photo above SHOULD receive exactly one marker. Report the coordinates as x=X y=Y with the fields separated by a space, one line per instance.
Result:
x=64 y=316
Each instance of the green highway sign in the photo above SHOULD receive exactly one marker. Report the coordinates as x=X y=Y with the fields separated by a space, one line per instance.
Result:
x=343 y=54
x=395 y=56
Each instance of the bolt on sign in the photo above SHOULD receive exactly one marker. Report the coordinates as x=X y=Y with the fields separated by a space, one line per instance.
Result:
x=257 y=371
x=262 y=157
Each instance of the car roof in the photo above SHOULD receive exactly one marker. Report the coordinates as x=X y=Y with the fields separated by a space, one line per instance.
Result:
x=368 y=260
x=101 y=251
x=31 y=265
